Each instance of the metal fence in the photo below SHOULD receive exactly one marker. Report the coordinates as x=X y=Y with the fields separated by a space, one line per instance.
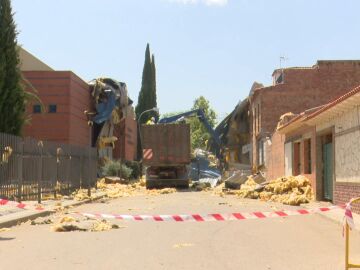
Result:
x=29 y=168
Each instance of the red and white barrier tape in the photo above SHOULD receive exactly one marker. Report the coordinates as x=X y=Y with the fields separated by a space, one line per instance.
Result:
x=210 y=217
x=4 y=202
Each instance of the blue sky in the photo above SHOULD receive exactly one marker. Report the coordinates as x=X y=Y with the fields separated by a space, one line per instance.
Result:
x=214 y=48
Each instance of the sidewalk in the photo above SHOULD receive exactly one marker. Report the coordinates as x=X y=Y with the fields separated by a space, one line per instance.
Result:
x=334 y=215
x=11 y=216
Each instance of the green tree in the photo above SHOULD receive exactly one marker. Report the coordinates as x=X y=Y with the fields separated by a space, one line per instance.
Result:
x=12 y=95
x=153 y=84
x=147 y=95
x=199 y=134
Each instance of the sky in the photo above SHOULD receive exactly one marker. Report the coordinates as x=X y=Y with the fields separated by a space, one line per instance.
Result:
x=214 y=48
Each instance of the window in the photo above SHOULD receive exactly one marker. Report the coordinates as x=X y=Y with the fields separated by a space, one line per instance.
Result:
x=307 y=156
x=261 y=153
x=258 y=116
x=280 y=79
x=296 y=159
x=37 y=108
x=52 y=108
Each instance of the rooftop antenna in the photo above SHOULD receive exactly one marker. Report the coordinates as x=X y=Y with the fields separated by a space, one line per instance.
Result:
x=283 y=59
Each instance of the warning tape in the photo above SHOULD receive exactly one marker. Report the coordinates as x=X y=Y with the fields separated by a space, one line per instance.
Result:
x=4 y=202
x=210 y=217
x=184 y=217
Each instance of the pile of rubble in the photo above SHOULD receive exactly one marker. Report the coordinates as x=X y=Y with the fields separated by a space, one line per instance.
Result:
x=69 y=223
x=132 y=189
x=291 y=190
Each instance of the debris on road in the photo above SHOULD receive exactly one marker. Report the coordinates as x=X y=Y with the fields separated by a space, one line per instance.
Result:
x=41 y=221
x=68 y=219
x=182 y=245
x=103 y=225
x=69 y=223
x=133 y=189
x=200 y=186
x=212 y=181
x=81 y=195
x=235 y=181
x=67 y=227
x=115 y=180
x=204 y=165
x=291 y=190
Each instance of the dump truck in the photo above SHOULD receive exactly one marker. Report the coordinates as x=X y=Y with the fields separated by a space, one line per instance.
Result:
x=166 y=154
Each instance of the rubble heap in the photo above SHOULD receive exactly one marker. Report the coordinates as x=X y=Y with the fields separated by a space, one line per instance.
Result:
x=128 y=190
x=291 y=190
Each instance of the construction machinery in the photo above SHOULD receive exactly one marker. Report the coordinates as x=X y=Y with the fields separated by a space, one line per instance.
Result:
x=167 y=149
x=166 y=154
x=199 y=113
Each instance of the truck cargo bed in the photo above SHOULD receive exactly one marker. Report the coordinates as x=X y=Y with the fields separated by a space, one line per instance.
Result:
x=165 y=144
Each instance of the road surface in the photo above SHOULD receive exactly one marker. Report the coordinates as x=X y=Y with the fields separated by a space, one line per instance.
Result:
x=297 y=242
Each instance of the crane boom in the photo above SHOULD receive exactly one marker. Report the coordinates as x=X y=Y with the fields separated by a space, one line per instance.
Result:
x=201 y=116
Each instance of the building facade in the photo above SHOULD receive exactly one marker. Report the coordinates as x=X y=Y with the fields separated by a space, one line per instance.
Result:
x=326 y=144
x=60 y=115
x=295 y=90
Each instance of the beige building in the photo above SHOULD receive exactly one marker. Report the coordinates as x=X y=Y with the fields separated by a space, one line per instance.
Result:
x=29 y=62
x=325 y=146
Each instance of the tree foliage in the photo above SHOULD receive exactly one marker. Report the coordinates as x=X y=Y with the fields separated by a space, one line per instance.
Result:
x=147 y=95
x=199 y=134
x=12 y=95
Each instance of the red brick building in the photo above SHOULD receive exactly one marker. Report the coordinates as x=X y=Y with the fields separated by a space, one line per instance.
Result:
x=325 y=146
x=126 y=145
x=65 y=97
x=294 y=90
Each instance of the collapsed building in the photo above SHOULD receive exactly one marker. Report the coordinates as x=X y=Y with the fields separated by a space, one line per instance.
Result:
x=234 y=134
x=114 y=129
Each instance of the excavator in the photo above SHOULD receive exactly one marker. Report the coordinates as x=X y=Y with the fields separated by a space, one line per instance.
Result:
x=166 y=149
x=199 y=113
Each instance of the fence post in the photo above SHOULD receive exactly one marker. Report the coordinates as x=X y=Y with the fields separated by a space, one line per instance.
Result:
x=20 y=170
x=88 y=179
x=81 y=169
x=58 y=152
x=41 y=145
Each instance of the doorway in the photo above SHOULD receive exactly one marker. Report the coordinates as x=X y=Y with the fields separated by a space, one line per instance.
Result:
x=328 y=170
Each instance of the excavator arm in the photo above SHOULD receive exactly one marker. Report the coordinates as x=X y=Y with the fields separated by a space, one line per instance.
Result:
x=201 y=116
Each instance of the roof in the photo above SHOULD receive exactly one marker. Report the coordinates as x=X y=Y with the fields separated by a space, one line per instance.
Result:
x=291 y=68
x=298 y=120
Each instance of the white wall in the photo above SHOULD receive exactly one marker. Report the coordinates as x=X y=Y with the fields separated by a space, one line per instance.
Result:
x=288 y=159
x=347 y=145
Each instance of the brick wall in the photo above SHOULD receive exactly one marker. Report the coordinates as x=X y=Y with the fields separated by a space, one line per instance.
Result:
x=343 y=192
x=71 y=96
x=275 y=160
x=126 y=145
x=303 y=88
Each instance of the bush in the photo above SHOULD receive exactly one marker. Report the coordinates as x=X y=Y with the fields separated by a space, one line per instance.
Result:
x=115 y=168
x=135 y=167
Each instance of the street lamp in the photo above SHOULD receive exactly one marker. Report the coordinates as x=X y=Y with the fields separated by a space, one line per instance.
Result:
x=155 y=109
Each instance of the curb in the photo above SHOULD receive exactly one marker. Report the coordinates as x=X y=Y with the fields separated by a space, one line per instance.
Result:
x=19 y=217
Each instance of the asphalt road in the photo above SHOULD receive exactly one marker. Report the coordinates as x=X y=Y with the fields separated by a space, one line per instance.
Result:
x=298 y=242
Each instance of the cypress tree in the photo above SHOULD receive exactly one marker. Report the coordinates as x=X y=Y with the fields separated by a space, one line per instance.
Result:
x=144 y=99
x=12 y=96
x=153 y=76
x=147 y=95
